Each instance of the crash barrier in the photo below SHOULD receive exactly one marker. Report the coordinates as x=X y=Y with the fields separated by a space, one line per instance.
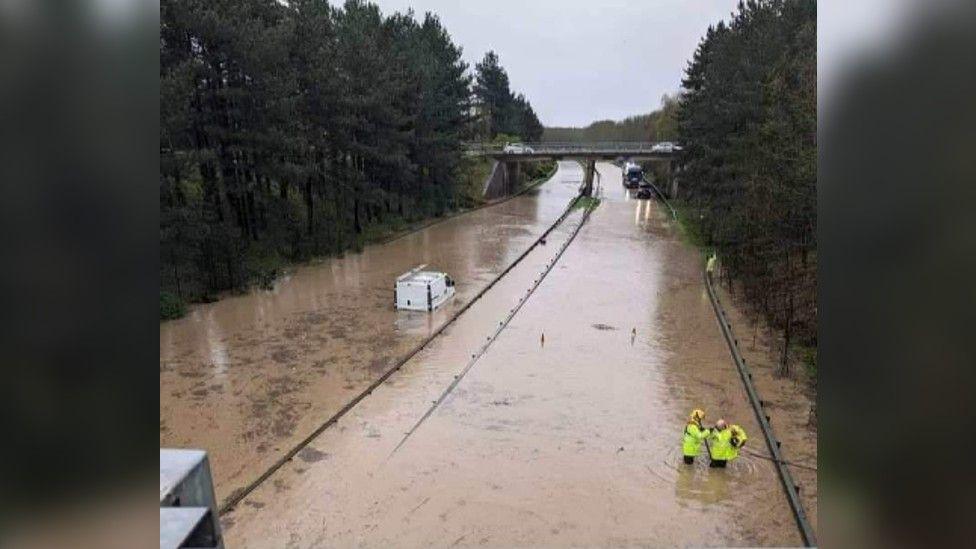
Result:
x=187 y=508
x=239 y=495
x=792 y=493
x=498 y=330
x=786 y=462
x=660 y=195
x=618 y=148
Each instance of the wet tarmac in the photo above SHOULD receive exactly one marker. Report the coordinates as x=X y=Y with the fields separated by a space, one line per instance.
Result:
x=250 y=376
x=566 y=431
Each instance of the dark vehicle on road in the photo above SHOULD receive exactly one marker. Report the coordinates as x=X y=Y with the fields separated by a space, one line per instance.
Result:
x=644 y=193
x=633 y=174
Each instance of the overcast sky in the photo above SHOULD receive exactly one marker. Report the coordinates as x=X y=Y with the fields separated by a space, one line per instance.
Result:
x=580 y=60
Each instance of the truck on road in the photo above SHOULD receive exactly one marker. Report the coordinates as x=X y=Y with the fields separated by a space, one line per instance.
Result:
x=633 y=174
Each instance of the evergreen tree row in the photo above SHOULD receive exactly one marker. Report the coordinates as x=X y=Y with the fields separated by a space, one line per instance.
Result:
x=294 y=129
x=499 y=110
x=748 y=125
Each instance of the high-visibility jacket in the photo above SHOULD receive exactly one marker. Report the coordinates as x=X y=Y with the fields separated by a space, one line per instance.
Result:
x=694 y=435
x=720 y=444
x=710 y=266
x=737 y=441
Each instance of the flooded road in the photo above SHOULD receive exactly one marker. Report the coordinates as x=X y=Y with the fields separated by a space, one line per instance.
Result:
x=250 y=376
x=565 y=432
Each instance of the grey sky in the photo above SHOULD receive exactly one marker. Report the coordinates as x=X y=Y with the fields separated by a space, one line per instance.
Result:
x=580 y=60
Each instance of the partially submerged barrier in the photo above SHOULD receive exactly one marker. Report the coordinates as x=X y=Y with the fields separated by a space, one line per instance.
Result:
x=792 y=493
x=789 y=486
x=240 y=494
x=501 y=326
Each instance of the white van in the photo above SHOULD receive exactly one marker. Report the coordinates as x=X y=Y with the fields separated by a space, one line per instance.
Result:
x=419 y=290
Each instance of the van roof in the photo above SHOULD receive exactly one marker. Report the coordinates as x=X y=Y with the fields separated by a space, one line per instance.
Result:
x=425 y=276
x=416 y=275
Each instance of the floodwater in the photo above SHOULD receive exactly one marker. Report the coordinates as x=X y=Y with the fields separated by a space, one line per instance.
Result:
x=566 y=432
x=250 y=376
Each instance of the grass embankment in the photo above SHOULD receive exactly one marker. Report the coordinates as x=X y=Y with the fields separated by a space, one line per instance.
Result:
x=688 y=226
x=535 y=173
x=586 y=203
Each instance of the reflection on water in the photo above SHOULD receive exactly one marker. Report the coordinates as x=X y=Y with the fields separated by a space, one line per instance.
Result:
x=416 y=322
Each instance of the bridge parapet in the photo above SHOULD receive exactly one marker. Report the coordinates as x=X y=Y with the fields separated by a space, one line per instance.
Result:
x=598 y=149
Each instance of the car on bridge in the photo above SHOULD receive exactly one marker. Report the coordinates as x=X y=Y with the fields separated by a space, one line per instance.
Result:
x=517 y=148
x=665 y=147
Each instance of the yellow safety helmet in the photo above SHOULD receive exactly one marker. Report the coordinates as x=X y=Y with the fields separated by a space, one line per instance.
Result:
x=696 y=416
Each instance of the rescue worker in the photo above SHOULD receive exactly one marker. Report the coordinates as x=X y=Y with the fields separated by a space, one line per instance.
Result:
x=694 y=435
x=710 y=266
x=720 y=444
x=737 y=441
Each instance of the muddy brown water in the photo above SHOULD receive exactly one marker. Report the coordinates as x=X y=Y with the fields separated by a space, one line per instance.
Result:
x=248 y=377
x=568 y=439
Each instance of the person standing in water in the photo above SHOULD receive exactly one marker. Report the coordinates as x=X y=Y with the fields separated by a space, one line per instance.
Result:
x=738 y=440
x=695 y=434
x=720 y=444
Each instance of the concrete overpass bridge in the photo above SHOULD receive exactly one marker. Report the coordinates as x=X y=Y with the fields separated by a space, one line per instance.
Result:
x=506 y=172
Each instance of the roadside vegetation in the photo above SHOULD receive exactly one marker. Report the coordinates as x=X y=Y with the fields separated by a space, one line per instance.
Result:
x=586 y=203
x=748 y=187
x=290 y=130
x=689 y=228
x=170 y=306
x=534 y=173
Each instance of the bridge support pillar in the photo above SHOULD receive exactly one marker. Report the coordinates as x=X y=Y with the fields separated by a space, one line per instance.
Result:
x=513 y=175
x=589 y=170
x=673 y=184
x=504 y=179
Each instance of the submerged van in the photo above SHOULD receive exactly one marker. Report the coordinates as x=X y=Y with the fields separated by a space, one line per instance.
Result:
x=419 y=290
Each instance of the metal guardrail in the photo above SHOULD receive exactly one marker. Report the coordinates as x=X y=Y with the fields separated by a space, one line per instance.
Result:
x=622 y=148
x=758 y=405
x=789 y=486
x=674 y=214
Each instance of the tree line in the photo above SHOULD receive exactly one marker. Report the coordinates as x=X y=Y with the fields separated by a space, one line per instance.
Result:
x=659 y=125
x=295 y=129
x=502 y=111
x=748 y=124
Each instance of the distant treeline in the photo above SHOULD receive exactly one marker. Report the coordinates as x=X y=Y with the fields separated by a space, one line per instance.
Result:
x=294 y=129
x=659 y=125
x=748 y=124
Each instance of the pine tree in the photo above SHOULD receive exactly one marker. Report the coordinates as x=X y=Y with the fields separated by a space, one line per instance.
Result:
x=747 y=121
x=288 y=129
